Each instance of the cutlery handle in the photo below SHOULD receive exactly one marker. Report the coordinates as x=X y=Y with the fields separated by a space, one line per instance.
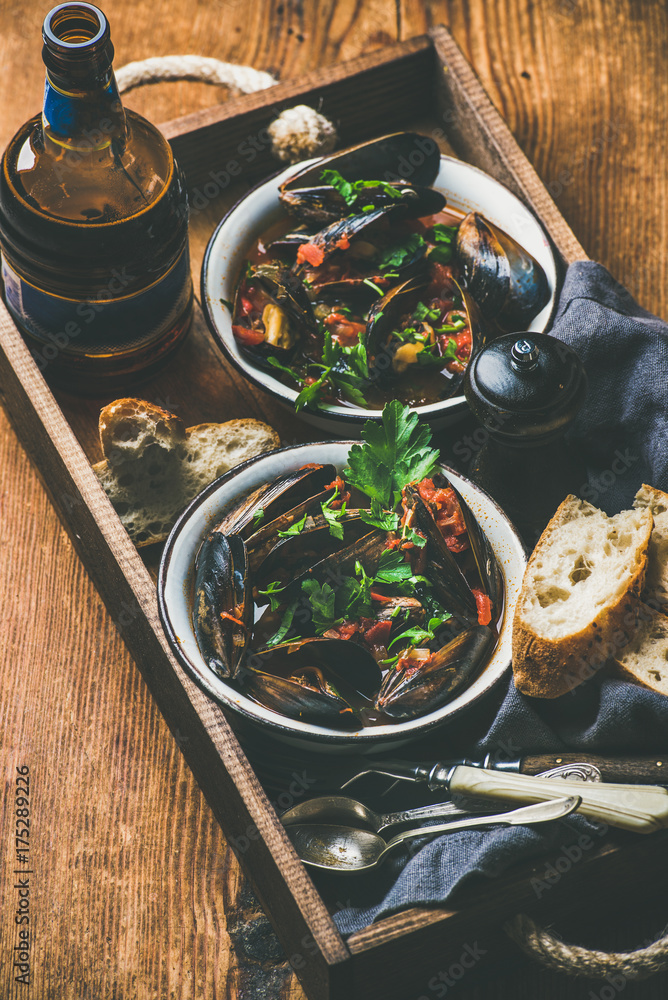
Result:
x=641 y=808
x=435 y=811
x=650 y=770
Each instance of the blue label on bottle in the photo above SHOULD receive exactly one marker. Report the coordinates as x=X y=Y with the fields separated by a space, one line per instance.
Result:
x=110 y=322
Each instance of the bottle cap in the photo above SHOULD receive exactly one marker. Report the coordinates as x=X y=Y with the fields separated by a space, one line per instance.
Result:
x=526 y=388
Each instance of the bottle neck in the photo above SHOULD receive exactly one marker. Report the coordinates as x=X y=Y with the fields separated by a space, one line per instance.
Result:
x=84 y=119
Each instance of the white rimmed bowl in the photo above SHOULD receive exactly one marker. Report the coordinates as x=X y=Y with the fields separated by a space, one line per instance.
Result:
x=464 y=187
x=175 y=601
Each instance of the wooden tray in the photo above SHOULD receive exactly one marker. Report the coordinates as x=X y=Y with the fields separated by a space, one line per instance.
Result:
x=425 y=84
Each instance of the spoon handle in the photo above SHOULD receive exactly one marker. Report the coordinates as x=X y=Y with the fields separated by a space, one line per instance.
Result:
x=556 y=809
x=434 y=811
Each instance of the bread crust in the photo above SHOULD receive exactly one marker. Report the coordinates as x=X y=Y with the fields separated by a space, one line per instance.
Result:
x=549 y=668
x=131 y=429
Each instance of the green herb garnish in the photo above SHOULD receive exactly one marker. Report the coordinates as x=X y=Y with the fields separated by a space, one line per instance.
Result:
x=323 y=603
x=395 y=452
x=334 y=516
x=386 y=520
x=396 y=255
x=294 y=529
x=392 y=567
x=273 y=589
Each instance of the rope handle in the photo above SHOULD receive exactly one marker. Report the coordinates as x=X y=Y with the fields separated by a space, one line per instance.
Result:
x=299 y=133
x=296 y=134
x=573 y=960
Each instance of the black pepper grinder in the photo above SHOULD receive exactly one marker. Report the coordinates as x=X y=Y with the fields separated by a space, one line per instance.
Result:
x=526 y=389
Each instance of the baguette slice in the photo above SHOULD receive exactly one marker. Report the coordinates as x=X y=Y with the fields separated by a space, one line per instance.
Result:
x=153 y=466
x=645 y=659
x=656 y=582
x=578 y=602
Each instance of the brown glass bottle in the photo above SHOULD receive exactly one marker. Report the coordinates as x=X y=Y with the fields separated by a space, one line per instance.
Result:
x=93 y=221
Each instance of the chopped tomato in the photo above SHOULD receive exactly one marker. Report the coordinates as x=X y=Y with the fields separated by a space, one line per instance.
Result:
x=344 y=494
x=447 y=513
x=246 y=306
x=378 y=634
x=346 y=630
x=343 y=242
x=345 y=330
x=379 y=598
x=310 y=253
x=247 y=336
x=484 y=606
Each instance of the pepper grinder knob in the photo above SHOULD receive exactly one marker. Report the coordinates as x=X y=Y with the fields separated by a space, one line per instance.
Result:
x=526 y=389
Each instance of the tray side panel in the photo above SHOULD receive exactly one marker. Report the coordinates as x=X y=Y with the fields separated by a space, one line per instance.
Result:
x=212 y=751
x=386 y=88
x=478 y=134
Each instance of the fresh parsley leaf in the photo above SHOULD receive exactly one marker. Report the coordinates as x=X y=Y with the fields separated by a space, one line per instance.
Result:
x=392 y=567
x=286 y=623
x=450 y=353
x=310 y=394
x=395 y=452
x=284 y=368
x=417 y=635
x=423 y=312
x=441 y=253
x=333 y=517
x=459 y=323
x=386 y=520
x=294 y=529
x=428 y=358
x=273 y=589
x=258 y=517
x=323 y=602
x=396 y=255
x=444 y=234
x=412 y=536
x=344 y=187
x=331 y=350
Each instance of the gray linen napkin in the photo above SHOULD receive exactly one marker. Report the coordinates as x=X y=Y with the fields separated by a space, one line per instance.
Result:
x=622 y=431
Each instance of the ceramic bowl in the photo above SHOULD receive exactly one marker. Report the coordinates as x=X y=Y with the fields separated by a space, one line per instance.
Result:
x=465 y=188
x=175 y=601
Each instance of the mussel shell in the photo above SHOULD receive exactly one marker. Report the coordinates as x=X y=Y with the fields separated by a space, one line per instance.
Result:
x=221 y=589
x=507 y=283
x=276 y=497
x=285 y=288
x=314 y=701
x=450 y=584
x=348 y=665
x=487 y=565
x=322 y=204
x=397 y=156
x=272 y=552
x=386 y=315
x=414 y=691
x=338 y=235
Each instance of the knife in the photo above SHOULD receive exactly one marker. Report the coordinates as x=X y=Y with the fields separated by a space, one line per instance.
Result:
x=641 y=808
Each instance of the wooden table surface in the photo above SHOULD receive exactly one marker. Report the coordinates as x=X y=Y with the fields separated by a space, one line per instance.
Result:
x=135 y=893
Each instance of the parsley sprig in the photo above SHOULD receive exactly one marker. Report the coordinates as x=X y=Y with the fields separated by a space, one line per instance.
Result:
x=395 y=452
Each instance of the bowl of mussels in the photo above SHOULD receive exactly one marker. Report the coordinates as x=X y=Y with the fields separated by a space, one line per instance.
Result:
x=344 y=595
x=374 y=274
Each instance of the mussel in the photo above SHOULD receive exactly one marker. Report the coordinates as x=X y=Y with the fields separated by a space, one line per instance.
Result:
x=222 y=608
x=399 y=156
x=389 y=356
x=412 y=689
x=314 y=679
x=450 y=584
x=508 y=285
x=286 y=318
x=273 y=499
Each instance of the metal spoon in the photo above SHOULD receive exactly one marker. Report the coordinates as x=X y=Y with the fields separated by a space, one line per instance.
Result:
x=344 y=849
x=345 y=811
